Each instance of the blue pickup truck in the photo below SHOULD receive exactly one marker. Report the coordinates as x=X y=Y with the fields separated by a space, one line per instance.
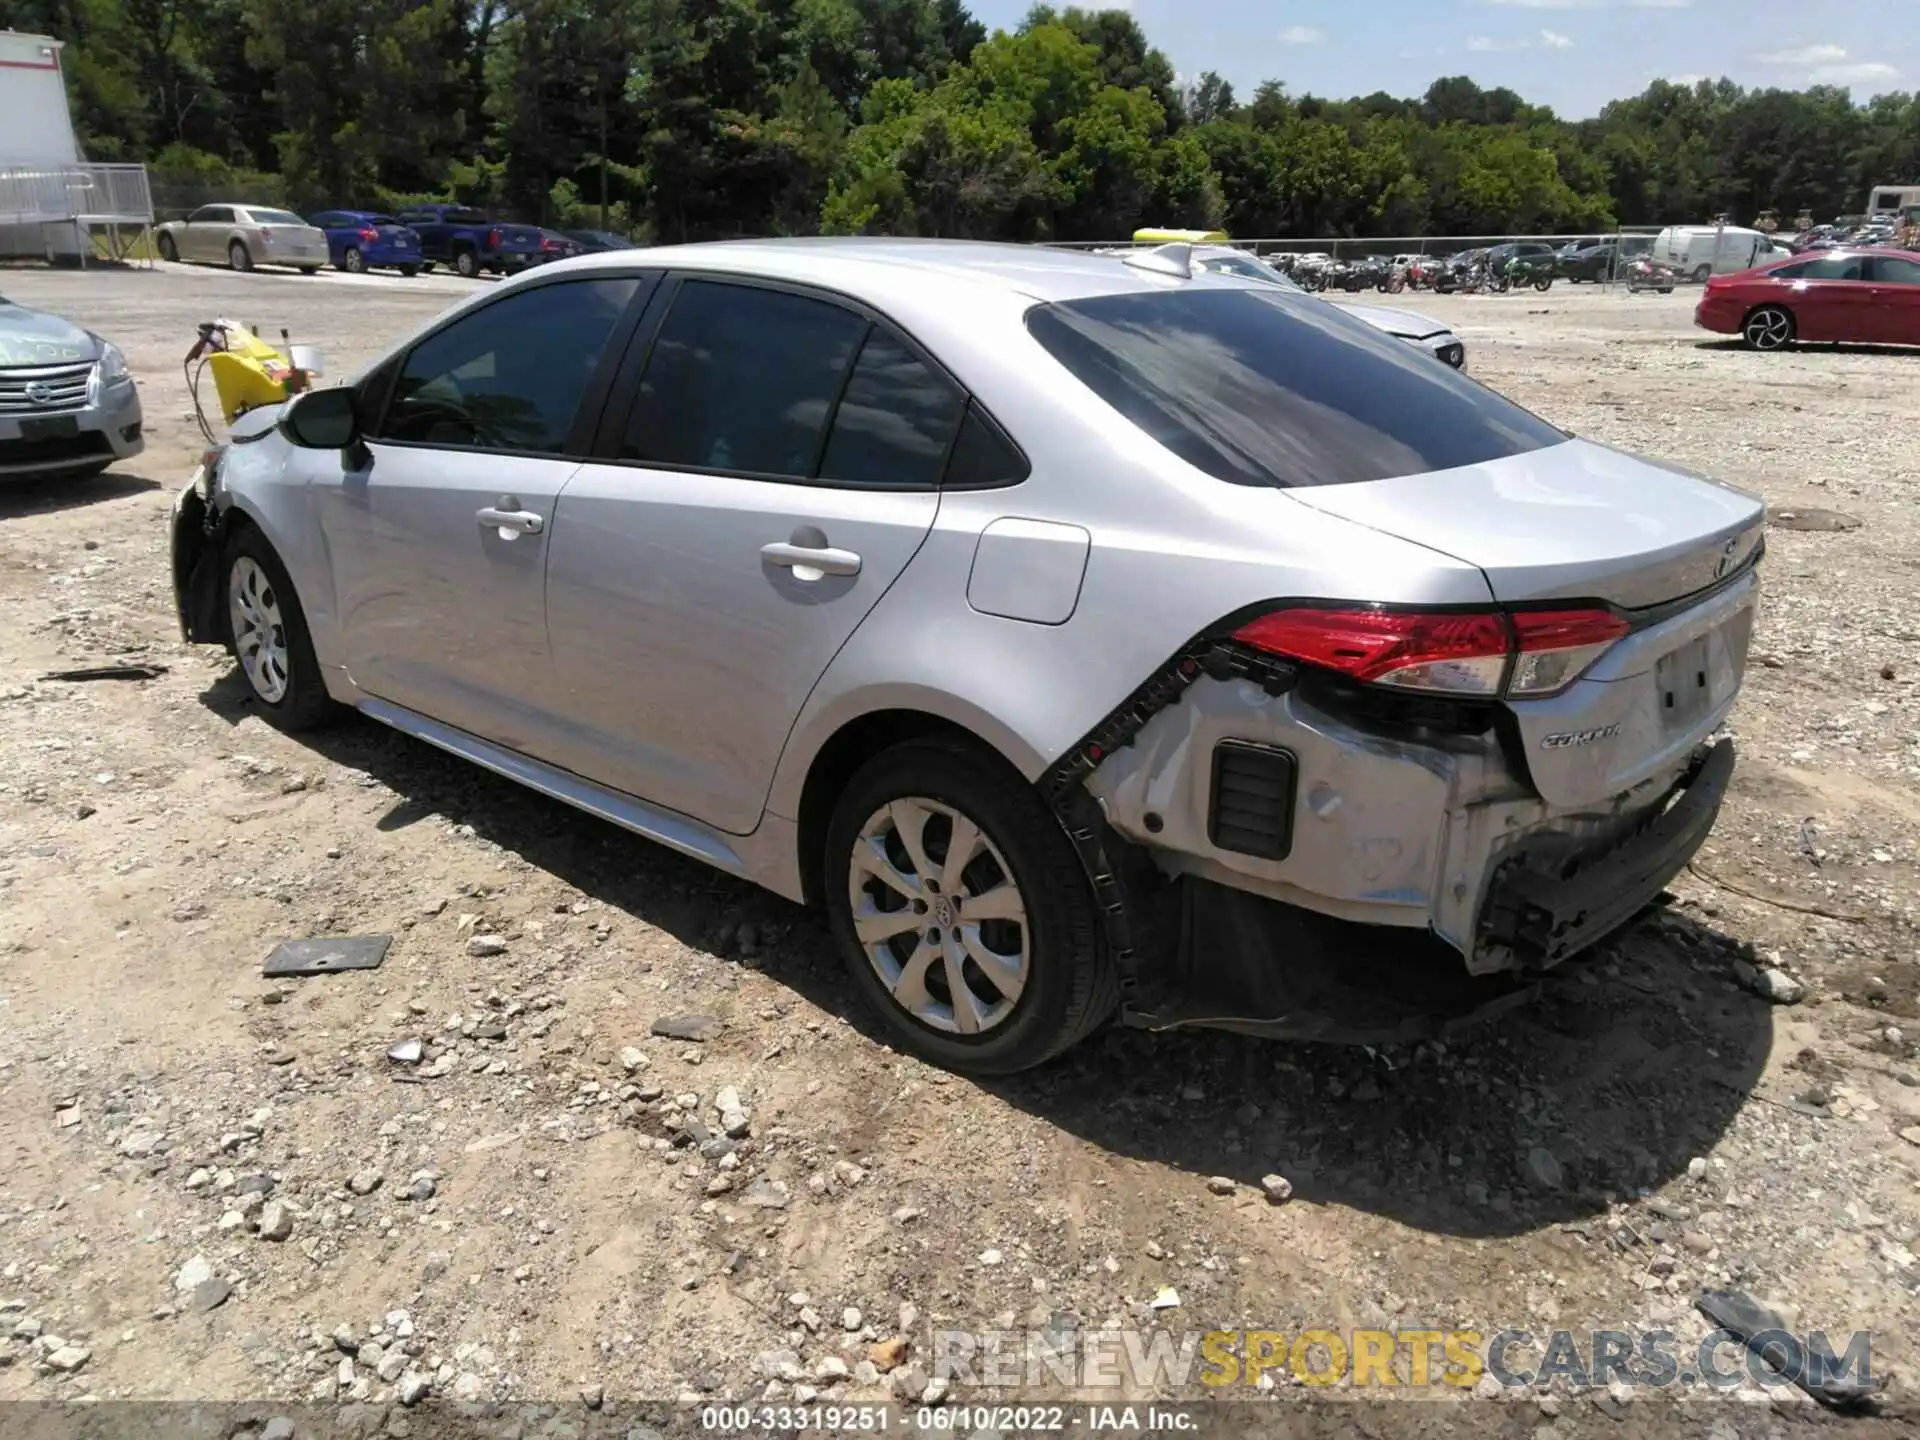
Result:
x=471 y=243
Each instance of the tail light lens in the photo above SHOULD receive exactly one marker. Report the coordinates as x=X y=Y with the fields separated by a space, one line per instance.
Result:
x=493 y=239
x=369 y=235
x=1555 y=647
x=1485 y=653
x=547 y=242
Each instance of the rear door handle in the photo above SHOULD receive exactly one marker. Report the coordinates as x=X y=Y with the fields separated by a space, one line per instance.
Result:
x=510 y=522
x=818 y=559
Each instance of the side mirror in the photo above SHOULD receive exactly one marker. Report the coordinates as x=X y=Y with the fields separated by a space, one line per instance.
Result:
x=323 y=419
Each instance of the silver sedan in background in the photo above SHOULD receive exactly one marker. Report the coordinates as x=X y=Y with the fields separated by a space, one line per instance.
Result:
x=243 y=236
x=1086 y=638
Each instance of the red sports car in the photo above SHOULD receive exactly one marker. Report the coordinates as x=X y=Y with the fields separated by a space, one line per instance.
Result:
x=1869 y=297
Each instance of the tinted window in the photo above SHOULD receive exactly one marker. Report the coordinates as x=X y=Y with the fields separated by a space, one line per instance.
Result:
x=1834 y=267
x=895 y=420
x=274 y=217
x=1889 y=270
x=983 y=457
x=509 y=376
x=465 y=217
x=211 y=215
x=1261 y=387
x=742 y=379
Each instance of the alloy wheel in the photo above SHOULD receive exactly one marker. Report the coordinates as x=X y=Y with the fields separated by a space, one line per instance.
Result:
x=259 y=630
x=939 y=916
x=355 y=262
x=1769 y=329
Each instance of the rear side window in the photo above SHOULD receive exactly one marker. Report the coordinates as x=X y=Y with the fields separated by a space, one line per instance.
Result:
x=1890 y=270
x=743 y=379
x=983 y=457
x=510 y=375
x=895 y=421
x=1262 y=387
x=1832 y=267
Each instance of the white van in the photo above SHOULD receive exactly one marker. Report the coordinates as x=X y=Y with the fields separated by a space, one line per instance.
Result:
x=1892 y=199
x=1697 y=251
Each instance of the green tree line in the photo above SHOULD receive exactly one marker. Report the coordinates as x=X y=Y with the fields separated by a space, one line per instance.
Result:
x=692 y=119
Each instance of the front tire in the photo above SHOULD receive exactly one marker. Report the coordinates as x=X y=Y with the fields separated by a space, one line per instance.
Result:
x=269 y=635
x=239 y=257
x=962 y=911
x=1768 y=328
x=1700 y=274
x=169 y=251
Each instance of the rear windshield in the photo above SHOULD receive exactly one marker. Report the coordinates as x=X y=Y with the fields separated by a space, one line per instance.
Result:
x=1265 y=387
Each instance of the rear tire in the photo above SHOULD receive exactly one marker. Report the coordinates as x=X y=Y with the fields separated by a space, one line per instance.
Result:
x=409 y=271
x=466 y=265
x=169 y=251
x=1042 y=938
x=239 y=257
x=268 y=632
x=353 y=262
x=1768 y=328
x=309 y=269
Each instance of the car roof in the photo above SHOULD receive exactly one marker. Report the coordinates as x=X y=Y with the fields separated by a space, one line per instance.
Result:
x=853 y=263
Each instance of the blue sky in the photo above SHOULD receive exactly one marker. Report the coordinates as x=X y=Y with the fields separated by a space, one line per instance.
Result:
x=1574 y=55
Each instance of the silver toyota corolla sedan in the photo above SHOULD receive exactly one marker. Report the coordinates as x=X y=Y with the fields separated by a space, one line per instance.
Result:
x=1087 y=639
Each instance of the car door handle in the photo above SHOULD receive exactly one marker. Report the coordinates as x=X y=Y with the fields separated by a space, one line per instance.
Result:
x=523 y=522
x=820 y=559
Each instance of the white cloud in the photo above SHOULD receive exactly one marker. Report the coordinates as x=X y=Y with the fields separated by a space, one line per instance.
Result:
x=1867 y=72
x=1301 y=35
x=1554 y=40
x=1805 y=55
x=1487 y=45
x=1689 y=78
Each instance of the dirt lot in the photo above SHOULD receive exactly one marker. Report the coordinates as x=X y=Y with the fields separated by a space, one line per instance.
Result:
x=213 y=1185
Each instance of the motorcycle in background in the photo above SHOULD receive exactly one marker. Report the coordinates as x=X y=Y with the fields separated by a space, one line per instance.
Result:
x=1643 y=274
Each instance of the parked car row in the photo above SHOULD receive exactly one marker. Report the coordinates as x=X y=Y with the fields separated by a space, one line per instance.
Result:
x=411 y=241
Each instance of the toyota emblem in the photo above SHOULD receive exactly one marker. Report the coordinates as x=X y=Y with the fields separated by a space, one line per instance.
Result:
x=39 y=392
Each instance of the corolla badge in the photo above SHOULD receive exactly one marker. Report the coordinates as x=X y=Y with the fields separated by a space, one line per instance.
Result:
x=1568 y=739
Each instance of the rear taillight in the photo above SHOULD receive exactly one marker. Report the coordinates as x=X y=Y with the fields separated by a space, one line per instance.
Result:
x=547 y=242
x=1555 y=647
x=493 y=239
x=1486 y=653
x=1464 y=654
x=369 y=236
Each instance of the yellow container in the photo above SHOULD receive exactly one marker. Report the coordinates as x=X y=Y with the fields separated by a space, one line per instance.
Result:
x=1179 y=237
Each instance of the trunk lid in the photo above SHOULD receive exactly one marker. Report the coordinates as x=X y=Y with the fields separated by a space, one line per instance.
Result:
x=1580 y=522
x=1570 y=522
x=519 y=237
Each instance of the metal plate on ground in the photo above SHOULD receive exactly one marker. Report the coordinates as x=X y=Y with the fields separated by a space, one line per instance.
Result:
x=326 y=954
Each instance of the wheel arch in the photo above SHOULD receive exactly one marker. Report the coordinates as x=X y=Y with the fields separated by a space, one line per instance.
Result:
x=812 y=788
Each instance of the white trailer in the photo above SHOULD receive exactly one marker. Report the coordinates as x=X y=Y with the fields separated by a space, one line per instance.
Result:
x=50 y=197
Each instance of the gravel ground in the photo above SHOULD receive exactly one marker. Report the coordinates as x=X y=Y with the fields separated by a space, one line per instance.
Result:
x=216 y=1186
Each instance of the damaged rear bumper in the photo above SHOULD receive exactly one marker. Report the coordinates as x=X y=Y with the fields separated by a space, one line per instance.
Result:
x=1551 y=898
